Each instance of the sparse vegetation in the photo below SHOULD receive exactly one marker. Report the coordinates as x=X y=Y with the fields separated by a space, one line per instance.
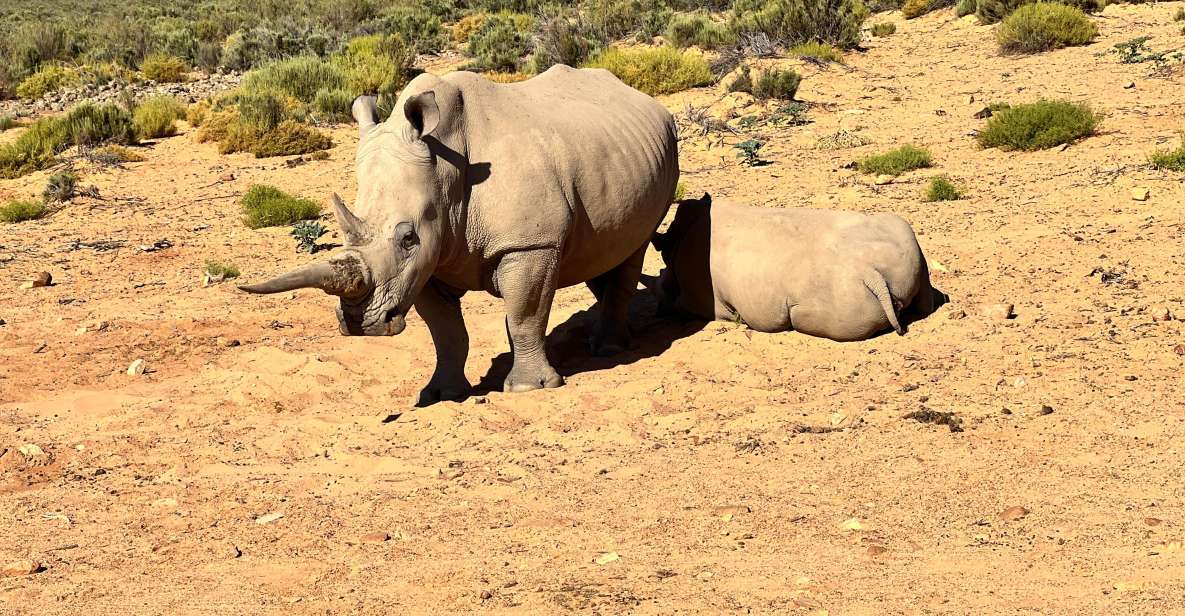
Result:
x=743 y=82
x=164 y=68
x=1136 y=51
x=7 y=123
x=917 y=8
x=842 y=140
x=218 y=271
x=884 y=28
x=749 y=151
x=792 y=22
x=85 y=125
x=896 y=162
x=820 y=52
x=993 y=11
x=1044 y=26
x=1171 y=160
x=61 y=186
x=941 y=188
x=299 y=78
x=558 y=40
x=1037 y=126
x=115 y=155
x=377 y=64
x=157 y=117
x=267 y=206
x=659 y=70
x=48 y=79
x=1179 y=15
x=777 y=83
x=699 y=30
x=501 y=42
x=306 y=233
x=21 y=210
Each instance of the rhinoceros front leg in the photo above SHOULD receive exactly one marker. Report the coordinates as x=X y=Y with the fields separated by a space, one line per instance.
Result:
x=440 y=307
x=613 y=290
x=527 y=280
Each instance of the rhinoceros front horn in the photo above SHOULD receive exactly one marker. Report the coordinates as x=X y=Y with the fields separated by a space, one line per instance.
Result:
x=344 y=276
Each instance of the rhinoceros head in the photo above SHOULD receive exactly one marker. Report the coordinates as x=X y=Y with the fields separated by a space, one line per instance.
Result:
x=393 y=242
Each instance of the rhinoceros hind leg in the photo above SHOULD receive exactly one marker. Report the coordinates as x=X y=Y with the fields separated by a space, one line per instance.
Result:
x=526 y=280
x=613 y=290
x=440 y=307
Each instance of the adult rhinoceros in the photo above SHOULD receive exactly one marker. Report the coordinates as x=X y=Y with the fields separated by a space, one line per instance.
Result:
x=514 y=189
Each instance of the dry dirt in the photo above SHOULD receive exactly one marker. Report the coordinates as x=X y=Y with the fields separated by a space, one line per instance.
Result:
x=727 y=471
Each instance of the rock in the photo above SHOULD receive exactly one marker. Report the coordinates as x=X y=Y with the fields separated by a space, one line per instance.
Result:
x=705 y=575
x=227 y=342
x=876 y=550
x=375 y=537
x=1140 y=194
x=137 y=367
x=29 y=450
x=968 y=99
x=1179 y=349
x=486 y=595
x=1129 y=85
x=883 y=179
x=18 y=568
x=606 y=558
x=1045 y=410
x=41 y=279
x=956 y=314
x=1012 y=514
x=733 y=510
x=226 y=177
x=164 y=503
x=998 y=312
x=268 y=518
x=1153 y=521
x=1160 y=313
x=852 y=524
x=983 y=113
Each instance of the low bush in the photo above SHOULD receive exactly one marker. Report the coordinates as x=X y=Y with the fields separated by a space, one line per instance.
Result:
x=507 y=77
x=698 y=29
x=558 y=41
x=333 y=105
x=91 y=124
x=115 y=155
x=993 y=11
x=34 y=150
x=1037 y=126
x=916 y=8
x=22 y=209
x=612 y=20
x=287 y=139
x=164 y=68
x=1043 y=27
x=778 y=84
x=197 y=113
x=300 y=77
x=463 y=30
x=216 y=270
x=1179 y=15
x=49 y=78
x=500 y=43
x=792 y=22
x=157 y=117
x=245 y=49
x=656 y=70
x=896 y=162
x=1172 y=160
x=817 y=51
x=743 y=82
x=61 y=186
x=942 y=189
x=8 y=123
x=966 y=7
x=885 y=28
x=415 y=25
x=84 y=125
x=374 y=64
x=267 y=206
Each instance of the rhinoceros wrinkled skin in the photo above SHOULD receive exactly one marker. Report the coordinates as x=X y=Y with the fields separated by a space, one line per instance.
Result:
x=513 y=189
x=828 y=273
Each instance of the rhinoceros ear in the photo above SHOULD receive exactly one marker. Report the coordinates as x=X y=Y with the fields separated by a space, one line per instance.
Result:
x=366 y=114
x=422 y=113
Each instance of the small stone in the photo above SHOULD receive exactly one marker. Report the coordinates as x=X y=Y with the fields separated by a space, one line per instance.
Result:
x=486 y=595
x=852 y=524
x=1129 y=85
x=1012 y=514
x=1045 y=410
x=1153 y=521
x=29 y=450
x=956 y=314
x=998 y=312
x=876 y=550
x=450 y=474
x=705 y=575
x=1160 y=313
x=41 y=279
x=375 y=537
x=606 y=558
x=137 y=367
x=732 y=510
x=983 y=114
x=268 y=518
x=1140 y=194
x=1019 y=382
x=883 y=179
x=227 y=342
x=1179 y=349
x=164 y=503
x=18 y=568
x=968 y=99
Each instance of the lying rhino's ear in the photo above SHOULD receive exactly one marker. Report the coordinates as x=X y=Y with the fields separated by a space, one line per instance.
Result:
x=423 y=114
x=366 y=114
x=706 y=199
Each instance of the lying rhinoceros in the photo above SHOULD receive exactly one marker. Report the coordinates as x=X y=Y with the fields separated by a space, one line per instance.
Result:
x=515 y=189
x=839 y=275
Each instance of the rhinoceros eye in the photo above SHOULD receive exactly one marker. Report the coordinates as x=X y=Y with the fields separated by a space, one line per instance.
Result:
x=405 y=234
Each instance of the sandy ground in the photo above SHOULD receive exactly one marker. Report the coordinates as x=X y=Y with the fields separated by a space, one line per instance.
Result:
x=721 y=470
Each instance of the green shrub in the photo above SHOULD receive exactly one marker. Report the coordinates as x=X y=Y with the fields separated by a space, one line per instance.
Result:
x=61 y=186
x=91 y=124
x=698 y=29
x=222 y=271
x=267 y=206
x=164 y=68
x=1037 y=126
x=288 y=139
x=248 y=48
x=611 y=20
x=558 y=41
x=415 y=25
x=776 y=83
x=469 y=24
x=1173 y=160
x=791 y=22
x=1044 y=27
x=300 y=77
x=22 y=210
x=743 y=82
x=942 y=189
x=817 y=51
x=1179 y=15
x=333 y=105
x=49 y=78
x=500 y=43
x=375 y=64
x=157 y=117
x=992 y=11
x=115 y=155
x=34 y=150
x=917 y=8
x=38 y=42
x=885 y=28
x=656 y=70
x=896 y=162
x=966 y=7
x=8 y=123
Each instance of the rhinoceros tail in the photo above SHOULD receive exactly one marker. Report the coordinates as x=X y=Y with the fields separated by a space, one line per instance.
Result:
x=876 y=283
